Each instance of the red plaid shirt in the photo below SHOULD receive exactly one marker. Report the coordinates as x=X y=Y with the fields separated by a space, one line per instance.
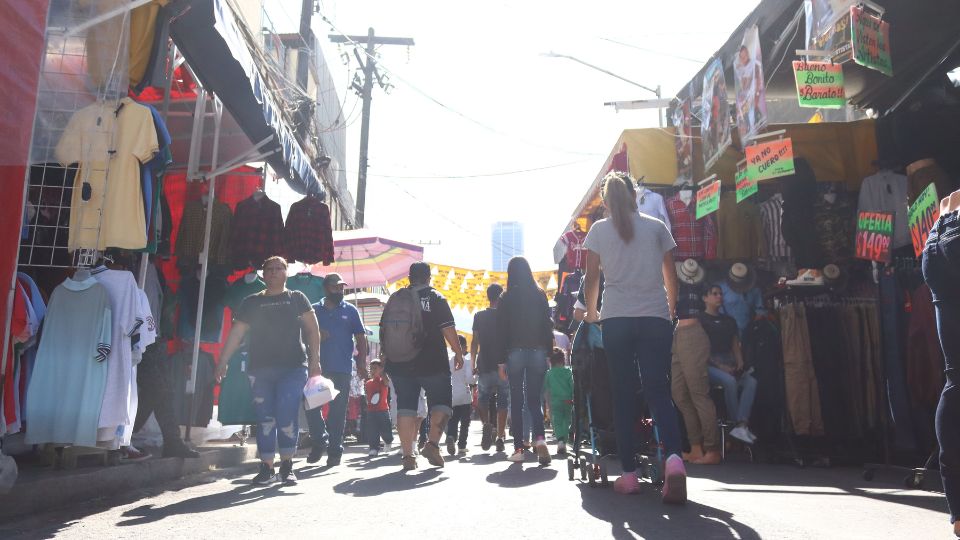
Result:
x=308 y=235
x=257 y=232
x=696 y=238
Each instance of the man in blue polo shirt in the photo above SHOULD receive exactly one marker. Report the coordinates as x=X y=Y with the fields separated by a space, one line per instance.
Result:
x=340 y=325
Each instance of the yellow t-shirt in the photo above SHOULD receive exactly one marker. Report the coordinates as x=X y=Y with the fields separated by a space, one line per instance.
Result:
x=114 y=178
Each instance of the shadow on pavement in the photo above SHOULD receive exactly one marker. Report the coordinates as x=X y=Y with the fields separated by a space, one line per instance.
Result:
x=237 y=496
x=516 y=476
x=645 y=516
x=391 y=482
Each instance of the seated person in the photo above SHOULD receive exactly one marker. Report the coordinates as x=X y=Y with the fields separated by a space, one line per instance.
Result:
x=726 y=364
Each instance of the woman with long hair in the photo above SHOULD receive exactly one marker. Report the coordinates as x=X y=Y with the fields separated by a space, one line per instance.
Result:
x=639 y=301
x=523 y=320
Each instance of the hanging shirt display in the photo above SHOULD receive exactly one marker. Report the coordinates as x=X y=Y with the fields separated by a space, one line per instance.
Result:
x=257 y=232
x=652 y=204
x=151 y=177
x=695 y=238
x=240 y=289
x=886 y=191
x=771 y=213
x=740 y=229
x=575 y=256
x=109 y=141
x=77 y=340
x=836 y=227
x=189 y=242
x=308 y=284
x=308 y=235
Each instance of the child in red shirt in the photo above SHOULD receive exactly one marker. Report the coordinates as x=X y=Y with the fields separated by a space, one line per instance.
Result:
x=377 y=424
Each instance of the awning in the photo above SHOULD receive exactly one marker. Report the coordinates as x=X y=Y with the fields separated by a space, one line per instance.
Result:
x=924 y=43
x=208 y=35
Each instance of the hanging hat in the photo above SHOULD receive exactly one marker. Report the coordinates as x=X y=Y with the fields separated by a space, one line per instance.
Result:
x=690 y=272
x=740 y=277
x=833 y=276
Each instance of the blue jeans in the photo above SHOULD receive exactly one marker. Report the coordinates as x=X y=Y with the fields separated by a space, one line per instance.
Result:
x=941 y=269
x=892 y=320
x=378 y=426
x=639 y=348
x=491 y=383
x=526 y=369
x=277 y=393
x=328 y=434
x=746 y=387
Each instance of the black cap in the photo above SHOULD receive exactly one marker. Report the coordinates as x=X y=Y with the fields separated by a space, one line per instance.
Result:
x=419 y=272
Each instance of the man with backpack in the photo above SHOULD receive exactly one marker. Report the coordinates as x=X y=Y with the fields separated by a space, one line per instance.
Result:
x=413 y=328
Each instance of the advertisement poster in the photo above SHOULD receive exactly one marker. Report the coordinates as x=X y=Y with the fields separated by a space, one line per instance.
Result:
x=828 y=27
x=708 y=199
x=745 y=185
x=819 y=84
x=871 y=41
x=874 y=236
x=923 y=213
x=715 y=124
x=683 y=142
x=751 y=92
x=770 y=160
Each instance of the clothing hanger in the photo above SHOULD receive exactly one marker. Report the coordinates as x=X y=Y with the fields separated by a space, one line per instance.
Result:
x=259 y=194
x=250 y=277
x=82 y=274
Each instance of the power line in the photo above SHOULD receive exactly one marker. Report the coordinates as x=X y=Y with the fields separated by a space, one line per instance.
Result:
x=653 y=51
x=485 y=175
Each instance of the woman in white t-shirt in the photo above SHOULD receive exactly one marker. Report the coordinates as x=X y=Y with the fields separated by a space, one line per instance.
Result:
x=639 y=298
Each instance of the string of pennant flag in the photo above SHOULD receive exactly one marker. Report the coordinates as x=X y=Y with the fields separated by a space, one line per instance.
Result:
x=466 y=289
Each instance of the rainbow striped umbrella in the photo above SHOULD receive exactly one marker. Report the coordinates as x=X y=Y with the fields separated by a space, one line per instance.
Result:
x=365 y=259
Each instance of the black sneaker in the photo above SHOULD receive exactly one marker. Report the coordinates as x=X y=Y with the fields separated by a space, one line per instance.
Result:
x=500 y=445
x=287 y=477
x=487 y=437
x=179 y=451
x=267 y=475
x=451 y=445
x=333 y=461
x=315 y=455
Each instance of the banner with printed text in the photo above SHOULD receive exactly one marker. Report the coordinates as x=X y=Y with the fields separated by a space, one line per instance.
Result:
x=708 y=199
x=770 y=160
x=750 y=86
x=715 y=121
x=874 y=236
x=819 y=84
x=923 y=213
x=746 y=186
x=870 y=36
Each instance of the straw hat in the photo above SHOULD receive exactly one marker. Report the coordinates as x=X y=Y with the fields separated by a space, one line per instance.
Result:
x=690 y=272
x=740 y=277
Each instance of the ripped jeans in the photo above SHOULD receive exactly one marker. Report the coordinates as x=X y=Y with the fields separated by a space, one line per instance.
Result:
x=277 y=394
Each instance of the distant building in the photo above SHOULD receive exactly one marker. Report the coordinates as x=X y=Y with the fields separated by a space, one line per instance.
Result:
x=507 y=243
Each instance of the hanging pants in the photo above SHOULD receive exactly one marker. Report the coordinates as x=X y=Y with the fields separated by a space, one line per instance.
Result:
x=803 y=394
x=941 y=269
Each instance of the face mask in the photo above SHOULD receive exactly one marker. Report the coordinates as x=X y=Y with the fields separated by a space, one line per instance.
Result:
x=336 y=298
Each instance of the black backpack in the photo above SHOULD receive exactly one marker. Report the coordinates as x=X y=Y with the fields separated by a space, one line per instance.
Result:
x=401 y=326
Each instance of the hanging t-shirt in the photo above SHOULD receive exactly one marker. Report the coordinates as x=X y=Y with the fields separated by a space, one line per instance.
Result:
x=740 y=229
x=886 y=191
x=75 y=345
x=308 y=284
x=651 y=203
x=109 y=141
x=274 y=336
x=575 y=256
x=771 y=215
x=240 y=289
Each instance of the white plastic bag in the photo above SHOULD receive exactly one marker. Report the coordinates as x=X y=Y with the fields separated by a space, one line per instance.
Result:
x=319 y=391
x=8 y=473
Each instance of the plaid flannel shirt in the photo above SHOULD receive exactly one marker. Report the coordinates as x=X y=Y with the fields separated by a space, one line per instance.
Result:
x=257 y=232
x=189 y=240
x=696 y=238
x=308 y=235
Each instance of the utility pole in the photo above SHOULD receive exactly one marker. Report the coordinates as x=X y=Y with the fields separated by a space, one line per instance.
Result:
x=303 y=66
x=369 y=66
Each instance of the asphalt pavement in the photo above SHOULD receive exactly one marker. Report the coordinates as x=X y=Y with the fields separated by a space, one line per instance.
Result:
x=481 y=495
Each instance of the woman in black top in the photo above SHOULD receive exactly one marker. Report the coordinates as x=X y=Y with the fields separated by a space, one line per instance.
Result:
x=523 y=321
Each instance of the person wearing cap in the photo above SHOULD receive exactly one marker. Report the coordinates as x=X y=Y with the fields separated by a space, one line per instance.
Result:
x=429 y=371
x=276 y=323
x=340 y=328
x=689 y=382
x=726 y=364
x=742 y=300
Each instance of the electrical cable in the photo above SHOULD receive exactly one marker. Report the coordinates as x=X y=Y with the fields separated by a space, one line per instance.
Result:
x=465 y=176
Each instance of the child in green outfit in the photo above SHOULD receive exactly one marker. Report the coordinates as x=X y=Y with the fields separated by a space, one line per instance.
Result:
x=559 y=386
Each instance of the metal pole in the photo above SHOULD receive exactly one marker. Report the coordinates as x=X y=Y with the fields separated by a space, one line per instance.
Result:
x=368 y=68
x=204 y=264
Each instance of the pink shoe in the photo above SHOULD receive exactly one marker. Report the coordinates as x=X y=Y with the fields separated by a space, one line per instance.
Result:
x=627 y=484
x=675 y=481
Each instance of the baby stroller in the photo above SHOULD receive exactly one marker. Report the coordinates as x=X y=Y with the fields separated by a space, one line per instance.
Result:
x=593 y=420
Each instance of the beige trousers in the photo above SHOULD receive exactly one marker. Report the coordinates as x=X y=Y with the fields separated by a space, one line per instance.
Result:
x=690 y=386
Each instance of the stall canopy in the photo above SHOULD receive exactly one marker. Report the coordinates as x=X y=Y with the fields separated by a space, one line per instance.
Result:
x=923 y=43
x=838 y=152
x=209 y=36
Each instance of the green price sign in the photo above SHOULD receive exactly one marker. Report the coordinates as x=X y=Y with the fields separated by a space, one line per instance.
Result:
x=924 y=212
x=708 y=199
x=745 y=185
x=819 y=84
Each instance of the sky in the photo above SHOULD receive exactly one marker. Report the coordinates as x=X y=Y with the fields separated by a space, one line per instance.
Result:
x=482 y=126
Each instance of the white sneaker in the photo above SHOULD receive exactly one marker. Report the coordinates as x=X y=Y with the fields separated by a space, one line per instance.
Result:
x=740 y=433
x=373 y=452
x=517 y=456
x=561 y=448
x=752 y=435
x=387 y=448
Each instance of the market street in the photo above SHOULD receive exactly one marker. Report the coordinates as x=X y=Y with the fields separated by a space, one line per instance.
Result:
x=477 y=497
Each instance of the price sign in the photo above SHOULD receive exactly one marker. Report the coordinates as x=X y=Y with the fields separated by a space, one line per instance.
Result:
x=924 y=212
x=874 y=236
x=770 y=160
x=708 y=199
